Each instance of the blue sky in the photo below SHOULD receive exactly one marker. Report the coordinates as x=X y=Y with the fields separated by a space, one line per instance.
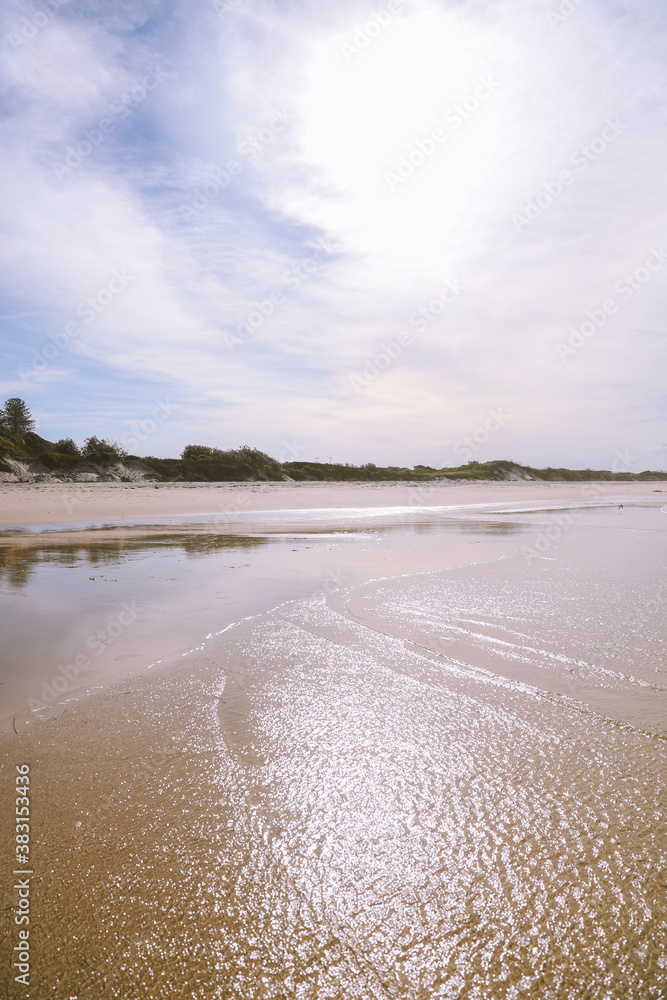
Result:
x=403 y=232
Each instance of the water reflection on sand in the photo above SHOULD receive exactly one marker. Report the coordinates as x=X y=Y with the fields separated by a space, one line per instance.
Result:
x=20 y=558
x=415 y=782
x=62 y=591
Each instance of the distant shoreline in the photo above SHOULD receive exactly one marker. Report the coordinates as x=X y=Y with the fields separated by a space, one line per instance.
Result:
x=165 y=470
x=29 y=458
x=116 y=503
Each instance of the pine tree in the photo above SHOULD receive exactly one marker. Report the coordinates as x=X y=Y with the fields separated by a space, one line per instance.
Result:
x=16 y=417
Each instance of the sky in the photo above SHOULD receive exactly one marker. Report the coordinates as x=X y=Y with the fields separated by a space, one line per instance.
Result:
x=402 y=232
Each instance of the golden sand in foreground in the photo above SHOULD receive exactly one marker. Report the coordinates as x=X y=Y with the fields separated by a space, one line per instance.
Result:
x=309 y=807
x=70 y=503
x=347 y=831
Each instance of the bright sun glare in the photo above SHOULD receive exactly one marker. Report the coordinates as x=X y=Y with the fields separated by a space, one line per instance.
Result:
x=402 y=131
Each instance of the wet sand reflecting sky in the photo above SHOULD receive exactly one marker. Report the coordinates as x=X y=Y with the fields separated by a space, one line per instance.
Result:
x=433 y=770
x=62 y=594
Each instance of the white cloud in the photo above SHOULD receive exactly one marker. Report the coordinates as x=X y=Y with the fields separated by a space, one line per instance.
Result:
x=355 y=120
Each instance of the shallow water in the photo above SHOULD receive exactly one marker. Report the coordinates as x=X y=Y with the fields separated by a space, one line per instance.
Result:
x=586 y=623
x=124 y=598
x=442 y=784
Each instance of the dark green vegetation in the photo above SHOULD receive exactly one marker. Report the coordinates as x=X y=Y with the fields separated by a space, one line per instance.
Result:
x=64 y=459
x=106 y=459
x=496 y=470
x=199 y=464
x=21 y=447
x=18 y=441
x=16 y=417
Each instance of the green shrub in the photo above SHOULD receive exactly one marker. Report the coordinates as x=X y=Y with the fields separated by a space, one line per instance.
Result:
x=197 y=451
x=201 y=463
x=102 y=451
x=66 y=446
x=59 y=462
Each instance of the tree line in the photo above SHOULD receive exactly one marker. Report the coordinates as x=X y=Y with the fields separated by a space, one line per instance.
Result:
x=201 y=463
x=16 y=418
x=197 y=461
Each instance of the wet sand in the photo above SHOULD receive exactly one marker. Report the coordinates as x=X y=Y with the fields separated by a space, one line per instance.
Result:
x=359 y=835
x=125 y=598
x=440 y=777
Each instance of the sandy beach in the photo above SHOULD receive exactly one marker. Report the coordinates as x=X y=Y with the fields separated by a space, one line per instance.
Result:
x=48 y=504
x=339 y=740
